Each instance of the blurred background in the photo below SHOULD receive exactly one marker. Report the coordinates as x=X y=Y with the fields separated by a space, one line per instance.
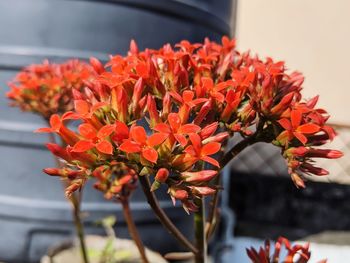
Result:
x=312 y=36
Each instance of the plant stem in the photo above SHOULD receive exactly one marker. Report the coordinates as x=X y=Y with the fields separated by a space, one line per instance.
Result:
x=75 y=202
x=213 y=212
x=232 y=153
x=201 y=241
x=235 y=150
x=164 y=219
x=79 y=227
x=132 y=229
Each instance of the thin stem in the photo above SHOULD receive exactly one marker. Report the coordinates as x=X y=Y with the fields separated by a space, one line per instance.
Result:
x=75 y=202
x=232 y=153
x=79 y=227
x=164 y=219
x=132 y=229
x=201 y=241
x=235 y=150
x=213 y=212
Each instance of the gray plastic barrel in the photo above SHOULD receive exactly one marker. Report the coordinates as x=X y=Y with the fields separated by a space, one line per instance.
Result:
x=33 y=212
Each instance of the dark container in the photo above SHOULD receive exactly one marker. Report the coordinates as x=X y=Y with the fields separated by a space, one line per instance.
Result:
x=271 y=206
x=33 y=212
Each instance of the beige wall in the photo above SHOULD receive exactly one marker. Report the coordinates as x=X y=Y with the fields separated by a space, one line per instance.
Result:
x=312 y=36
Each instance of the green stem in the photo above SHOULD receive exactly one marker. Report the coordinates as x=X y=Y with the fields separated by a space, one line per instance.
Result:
x=201 y=241
x=79 y=227
x=163 y=218
x=75 y=202
x=132 y=229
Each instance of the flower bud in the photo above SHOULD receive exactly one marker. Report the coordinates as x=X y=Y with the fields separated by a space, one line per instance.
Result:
x=299 y=183
x=52 y=171
x=198 y=177
x=179 y=194
x=309 y=168
x=97 y=65
x=202 y=190
x=72 y=188
x=208 y=130
x=217 y=138
x=162 y=175
x=323 y=153
x=152 y=110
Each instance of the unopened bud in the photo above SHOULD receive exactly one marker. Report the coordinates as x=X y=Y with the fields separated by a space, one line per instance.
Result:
x=202 y=190
x=52 y=171
x=197 y=177
x=299 y=183
x=97 y=65
x=162 y=175
x=323 y=153
x=179 y=193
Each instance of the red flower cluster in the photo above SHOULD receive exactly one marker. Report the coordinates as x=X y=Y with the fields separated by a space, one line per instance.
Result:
x=168 y=113
x=47 y=88
x=295 y=254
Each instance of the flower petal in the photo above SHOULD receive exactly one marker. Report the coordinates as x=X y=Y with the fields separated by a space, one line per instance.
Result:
x=81 y=106
x=189 y=128
x=296 y=116
x=105 y=131
x=181 y=139
x=210 y=148
x=55 y=122
x=187 y=95
x=138 y=134
x=196 y=142
x=308 y=128
x=162 y=127
x=174 y=121
x=45 y=129
x=105 y=147
x=285 y=123
x=156 y=139
x=301 y=137
x=121 y=132
x=130 y=147
x=87 y=131
x=83 y=146
x=150 y=154
x=210 y=160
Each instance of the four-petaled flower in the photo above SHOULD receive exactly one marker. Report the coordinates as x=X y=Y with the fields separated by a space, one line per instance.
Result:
x=140 y=143
x=294 y=128
x=94 y=138
x=176 y=129
x=202 y=152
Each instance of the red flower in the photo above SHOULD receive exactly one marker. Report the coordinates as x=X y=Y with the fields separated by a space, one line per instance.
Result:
x=176 y=129
x=202 y=152
x=187 y=102
x=294 y=128
x=94 y=138
x=139 y=143
x=264 y=255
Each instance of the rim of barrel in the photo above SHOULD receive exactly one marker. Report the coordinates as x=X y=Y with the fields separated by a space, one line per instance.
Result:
x=178 y=9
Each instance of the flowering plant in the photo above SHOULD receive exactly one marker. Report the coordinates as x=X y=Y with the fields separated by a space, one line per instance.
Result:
x=168 y=115
x=295 y=254
x=47 y=89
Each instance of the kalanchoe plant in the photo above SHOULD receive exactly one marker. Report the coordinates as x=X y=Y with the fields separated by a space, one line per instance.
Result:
x=164 y=117
x=295 y=253
x=47 y=89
